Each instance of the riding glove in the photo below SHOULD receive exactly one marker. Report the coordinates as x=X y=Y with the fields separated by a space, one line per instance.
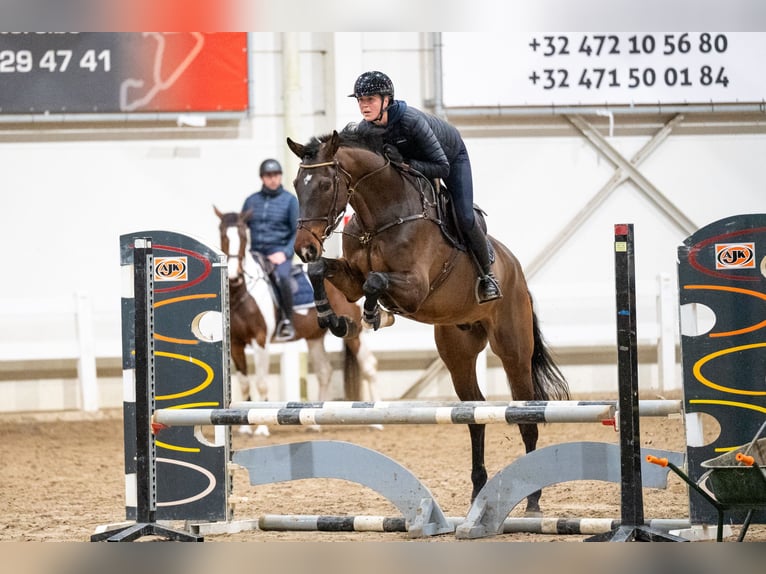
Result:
x=393 y=154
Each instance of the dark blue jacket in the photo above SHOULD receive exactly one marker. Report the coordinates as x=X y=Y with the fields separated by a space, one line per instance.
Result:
x=273 y=222
x=433 y=147
x=427 y=143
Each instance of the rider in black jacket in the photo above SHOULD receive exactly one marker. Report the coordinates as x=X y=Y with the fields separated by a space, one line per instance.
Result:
x=434 y=148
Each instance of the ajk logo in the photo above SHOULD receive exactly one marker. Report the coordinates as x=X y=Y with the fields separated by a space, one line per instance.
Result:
x=735 y=255
x=171 y=269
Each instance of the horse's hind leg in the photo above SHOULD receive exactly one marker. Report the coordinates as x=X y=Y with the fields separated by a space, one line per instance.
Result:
x=459 y=349
x=516 y=357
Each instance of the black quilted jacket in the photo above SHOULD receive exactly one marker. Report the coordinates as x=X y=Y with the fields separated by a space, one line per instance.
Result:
x=427 y=143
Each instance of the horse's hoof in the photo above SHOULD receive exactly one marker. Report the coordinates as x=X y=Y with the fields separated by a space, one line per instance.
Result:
x=314 y=428
x=533 y=513
x=245 y=430
x=262 y=430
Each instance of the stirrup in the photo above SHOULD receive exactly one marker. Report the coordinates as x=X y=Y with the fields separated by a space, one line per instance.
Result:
x=487 y=289
x=284 y=331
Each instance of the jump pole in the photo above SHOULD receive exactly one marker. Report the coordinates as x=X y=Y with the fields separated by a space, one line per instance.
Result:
x=513 y=525
x=646 y=408
x=514 y=414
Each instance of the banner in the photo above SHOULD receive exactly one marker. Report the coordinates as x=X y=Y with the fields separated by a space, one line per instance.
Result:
x=101 y=72
x=603 y=68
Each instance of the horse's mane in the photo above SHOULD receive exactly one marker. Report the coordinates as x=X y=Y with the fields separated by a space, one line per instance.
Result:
x=370 y=139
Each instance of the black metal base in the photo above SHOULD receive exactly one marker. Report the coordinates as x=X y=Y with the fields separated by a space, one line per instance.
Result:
x=635 y=534
x=138 y=530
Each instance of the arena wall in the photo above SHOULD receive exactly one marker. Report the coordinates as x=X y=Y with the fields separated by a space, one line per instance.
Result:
x=71 y=188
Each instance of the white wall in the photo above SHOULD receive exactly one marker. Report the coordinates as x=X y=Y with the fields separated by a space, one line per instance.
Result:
x=65 y=203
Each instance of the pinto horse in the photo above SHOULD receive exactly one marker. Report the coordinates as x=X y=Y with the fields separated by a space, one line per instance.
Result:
x=399 y=256
x=253 y=314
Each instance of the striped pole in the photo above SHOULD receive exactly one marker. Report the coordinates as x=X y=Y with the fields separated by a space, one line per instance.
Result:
x=534 y=525
x=392 y=415
x=647 y=408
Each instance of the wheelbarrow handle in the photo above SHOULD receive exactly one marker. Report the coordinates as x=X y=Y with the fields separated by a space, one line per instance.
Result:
x=745 y=459
x=663 y=462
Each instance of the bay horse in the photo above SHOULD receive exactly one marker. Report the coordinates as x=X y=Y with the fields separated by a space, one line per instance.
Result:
x=253 y=318
x=398 y=255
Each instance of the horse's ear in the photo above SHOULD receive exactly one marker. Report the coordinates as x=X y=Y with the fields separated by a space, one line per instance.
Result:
x=217 y=212
x=334 y=142
x=296 y=148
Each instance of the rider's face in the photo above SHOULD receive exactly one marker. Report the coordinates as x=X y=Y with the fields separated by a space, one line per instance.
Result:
x=370 y=107
x=272 y=180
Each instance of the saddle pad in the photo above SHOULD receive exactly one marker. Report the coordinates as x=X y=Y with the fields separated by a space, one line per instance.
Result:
x=303 y=292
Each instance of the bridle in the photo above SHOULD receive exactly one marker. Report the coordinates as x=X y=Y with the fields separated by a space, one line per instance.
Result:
x=332 y=220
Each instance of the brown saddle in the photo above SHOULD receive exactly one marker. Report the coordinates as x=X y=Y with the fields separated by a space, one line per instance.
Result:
x=446 y=217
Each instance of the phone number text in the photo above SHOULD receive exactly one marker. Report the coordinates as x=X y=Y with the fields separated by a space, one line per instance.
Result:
x=24 y=61
x=594 y=45
x=604 y=78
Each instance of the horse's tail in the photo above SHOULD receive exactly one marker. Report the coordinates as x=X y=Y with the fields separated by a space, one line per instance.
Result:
x=352 y=374
x=549 y=384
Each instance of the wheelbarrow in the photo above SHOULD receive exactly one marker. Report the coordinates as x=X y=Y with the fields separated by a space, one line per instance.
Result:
x=734 y=480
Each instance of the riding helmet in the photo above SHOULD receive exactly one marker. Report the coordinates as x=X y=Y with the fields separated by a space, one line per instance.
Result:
x=372 y=83
x=270 y=166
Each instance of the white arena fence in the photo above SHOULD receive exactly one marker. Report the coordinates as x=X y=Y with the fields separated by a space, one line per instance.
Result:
x=80 y=338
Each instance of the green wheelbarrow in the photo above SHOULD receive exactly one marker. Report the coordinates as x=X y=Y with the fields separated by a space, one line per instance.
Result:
x=734 y=480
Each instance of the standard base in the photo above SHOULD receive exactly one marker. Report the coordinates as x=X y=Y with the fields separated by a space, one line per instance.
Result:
x=138 y=530
x=635 y=534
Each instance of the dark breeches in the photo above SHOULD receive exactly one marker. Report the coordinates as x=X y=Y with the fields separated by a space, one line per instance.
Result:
x=460 y=185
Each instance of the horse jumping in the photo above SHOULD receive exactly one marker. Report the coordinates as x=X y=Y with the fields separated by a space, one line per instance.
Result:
x=253 y=314
x=399 y=256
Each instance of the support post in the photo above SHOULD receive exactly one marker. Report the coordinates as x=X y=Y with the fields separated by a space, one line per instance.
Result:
x=632 y=527
x=146 y=456
x=86 y=361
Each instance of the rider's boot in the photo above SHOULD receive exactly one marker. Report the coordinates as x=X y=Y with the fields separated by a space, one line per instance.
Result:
x=285 y=330
x=487 y=288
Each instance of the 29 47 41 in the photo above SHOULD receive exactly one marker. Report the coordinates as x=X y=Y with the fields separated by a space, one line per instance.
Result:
x=24 y=61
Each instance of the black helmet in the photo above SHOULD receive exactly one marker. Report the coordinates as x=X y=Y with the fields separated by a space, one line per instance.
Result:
x=270 y=166
x=372 y=83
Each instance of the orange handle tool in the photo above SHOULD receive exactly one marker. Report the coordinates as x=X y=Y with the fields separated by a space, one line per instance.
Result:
x=654 y=460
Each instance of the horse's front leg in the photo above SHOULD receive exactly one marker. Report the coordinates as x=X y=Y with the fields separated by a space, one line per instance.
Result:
x=374 y=287
x=342 y=326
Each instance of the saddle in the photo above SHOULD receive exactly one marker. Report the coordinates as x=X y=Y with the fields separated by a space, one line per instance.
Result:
x=446 y=217
x=303 y=292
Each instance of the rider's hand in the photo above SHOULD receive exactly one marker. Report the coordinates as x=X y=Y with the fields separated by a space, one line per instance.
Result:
x=393 y=154
x=277 y=258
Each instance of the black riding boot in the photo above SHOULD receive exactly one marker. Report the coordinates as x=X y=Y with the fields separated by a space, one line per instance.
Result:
x=285 y=330
x=487 y=288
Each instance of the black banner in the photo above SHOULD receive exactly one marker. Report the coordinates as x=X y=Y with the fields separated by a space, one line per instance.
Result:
x=104 y=72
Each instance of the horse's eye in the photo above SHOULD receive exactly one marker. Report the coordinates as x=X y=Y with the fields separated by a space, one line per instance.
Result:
x=325 y=185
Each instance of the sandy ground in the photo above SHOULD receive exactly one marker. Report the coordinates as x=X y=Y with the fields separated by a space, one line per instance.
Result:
x=61 y=476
